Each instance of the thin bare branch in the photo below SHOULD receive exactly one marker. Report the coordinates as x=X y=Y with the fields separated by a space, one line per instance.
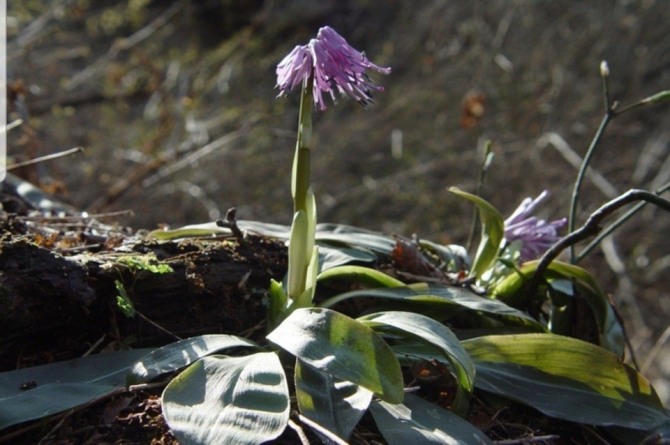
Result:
x=124 y=44
x=592 y=227
x=49 y=157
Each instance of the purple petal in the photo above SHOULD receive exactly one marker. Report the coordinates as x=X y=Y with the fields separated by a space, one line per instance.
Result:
x=526 y=208
x=294 y=69
x=336 y=66
x=536 y=235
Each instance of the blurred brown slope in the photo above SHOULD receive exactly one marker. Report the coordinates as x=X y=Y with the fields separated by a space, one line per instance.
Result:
x=175 y=106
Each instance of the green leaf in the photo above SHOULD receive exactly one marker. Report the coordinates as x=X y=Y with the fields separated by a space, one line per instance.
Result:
x=610 y=331
x=62 y=385
x=310 y=210
x=334 y=234
x=417 y=421
x=342 y=234
x=336 y=405
x=492 y=232
x=450 y=300
x=189 y=231
x=556 y=374
x=182 y=353
x=340 y=244
x=468 y=300
x=231 y=400
x=510 y=289
x=359 y=275
x=277 y=302
x=411 y=325
x=305 y=299
x=330 y=256
x=298 y=258
x=326 y=234
x=412 y=352
x=342 y=347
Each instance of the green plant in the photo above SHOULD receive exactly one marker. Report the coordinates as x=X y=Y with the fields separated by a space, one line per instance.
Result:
x=340 y=362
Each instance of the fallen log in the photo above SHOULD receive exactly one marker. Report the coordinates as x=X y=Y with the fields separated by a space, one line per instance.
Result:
x=68 y=302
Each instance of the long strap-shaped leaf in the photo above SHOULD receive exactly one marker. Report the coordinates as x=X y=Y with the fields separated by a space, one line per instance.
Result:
x=62 y=386
x=182 y=353
x=411 y=325
x=417 y=421
x=565 y=378
x=491 y=235
x=609 y=329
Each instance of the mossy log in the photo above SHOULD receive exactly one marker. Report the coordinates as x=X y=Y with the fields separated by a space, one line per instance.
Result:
x=64 y=304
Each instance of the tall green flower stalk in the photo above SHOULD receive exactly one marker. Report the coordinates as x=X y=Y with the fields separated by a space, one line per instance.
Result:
x=326 y=65
x=303 y=255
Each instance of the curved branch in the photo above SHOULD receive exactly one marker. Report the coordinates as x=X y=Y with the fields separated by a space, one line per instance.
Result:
x=591 y=228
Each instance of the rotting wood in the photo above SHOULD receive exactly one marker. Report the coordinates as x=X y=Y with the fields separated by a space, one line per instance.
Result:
x=49 y=298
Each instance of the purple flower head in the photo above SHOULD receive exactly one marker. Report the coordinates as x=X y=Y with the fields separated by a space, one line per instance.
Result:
x=335 y=66
x=536 y=235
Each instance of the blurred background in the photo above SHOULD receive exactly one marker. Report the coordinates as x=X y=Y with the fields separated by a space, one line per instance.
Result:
x=175 y=106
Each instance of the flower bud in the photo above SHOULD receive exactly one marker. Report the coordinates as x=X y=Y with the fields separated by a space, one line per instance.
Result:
x=604 y=69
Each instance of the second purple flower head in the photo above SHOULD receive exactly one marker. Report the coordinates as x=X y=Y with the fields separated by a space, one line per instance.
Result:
x=334 y=65
x=536 y=235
